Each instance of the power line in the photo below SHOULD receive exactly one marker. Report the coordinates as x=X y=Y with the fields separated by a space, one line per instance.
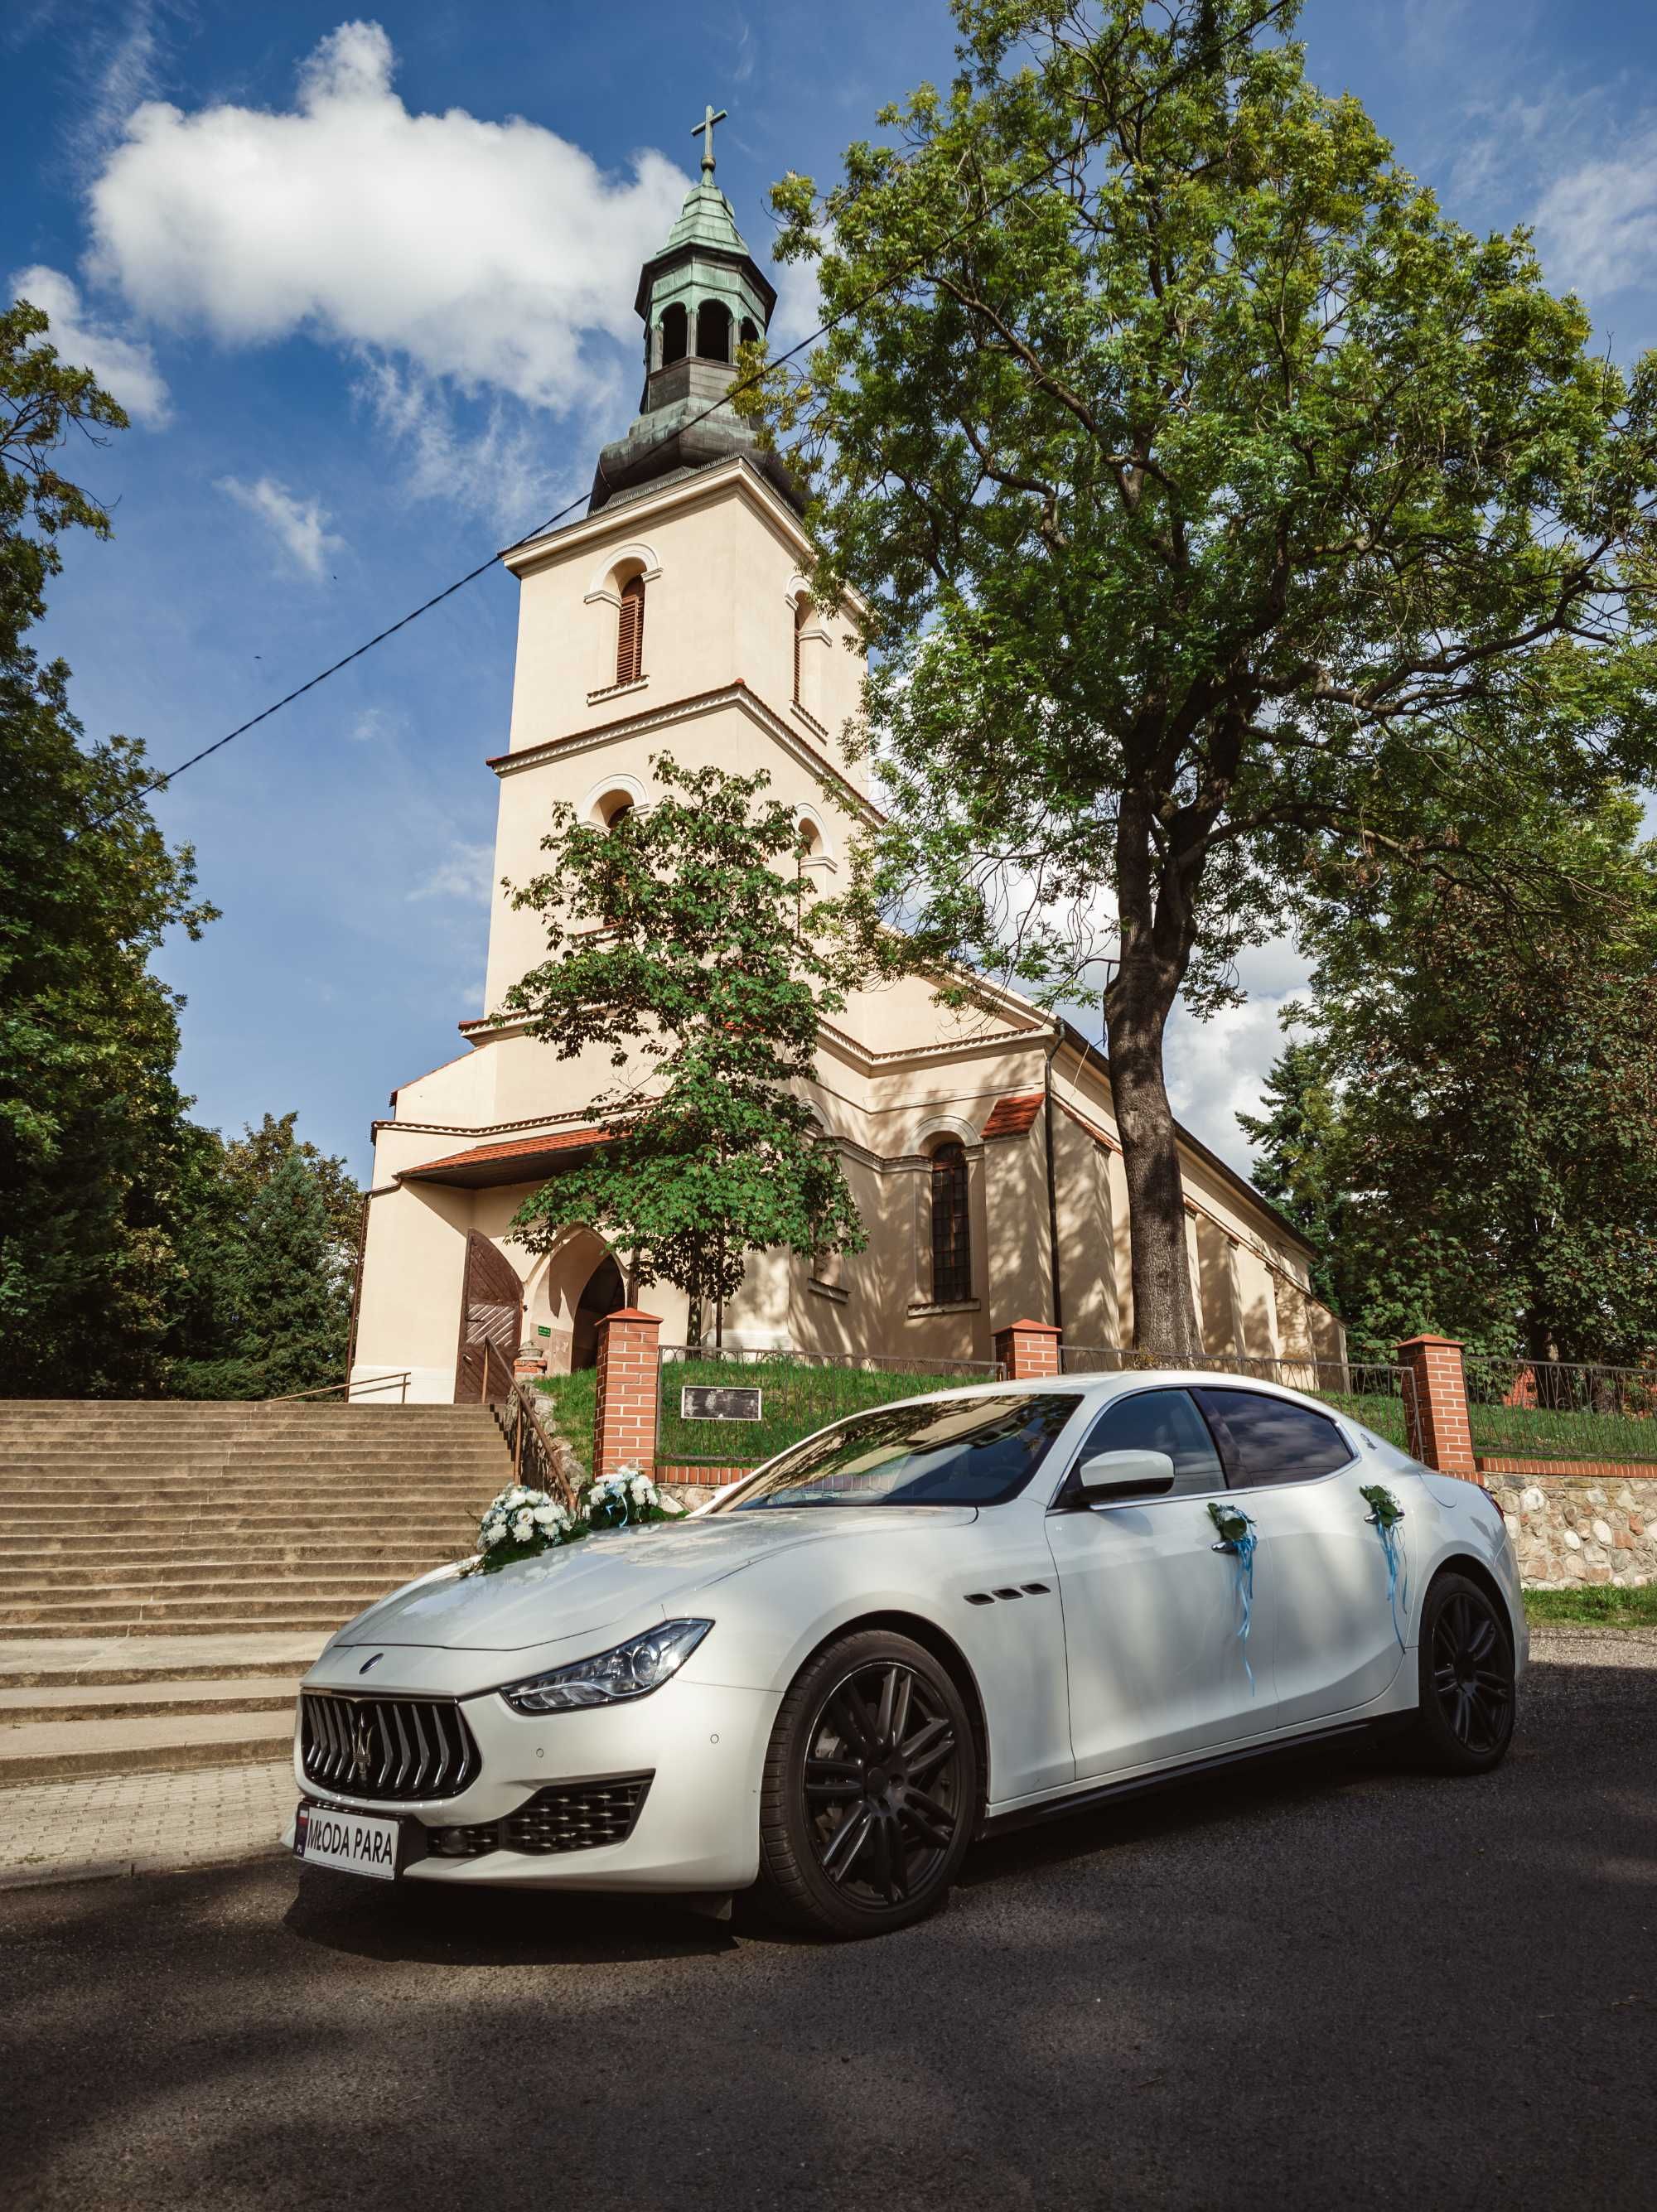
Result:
x=902 y=276
x=1083 y=145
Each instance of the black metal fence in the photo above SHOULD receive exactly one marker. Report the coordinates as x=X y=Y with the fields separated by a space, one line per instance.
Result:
x=734 y=1406
x=1382 y=1397
x=1548 y=1409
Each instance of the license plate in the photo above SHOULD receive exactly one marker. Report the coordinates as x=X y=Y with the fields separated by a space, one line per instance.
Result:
x=355 y=1843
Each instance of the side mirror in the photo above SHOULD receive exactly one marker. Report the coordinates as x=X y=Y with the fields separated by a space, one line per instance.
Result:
x=1113 y=1476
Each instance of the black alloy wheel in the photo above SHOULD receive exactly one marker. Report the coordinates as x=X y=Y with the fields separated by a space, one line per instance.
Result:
x=871 y=1787
x=1465 y=1719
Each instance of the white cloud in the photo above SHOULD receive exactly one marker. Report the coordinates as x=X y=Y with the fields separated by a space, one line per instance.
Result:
x=799 y=302
x=126 y=369
x=500 y=472
x=482 y=252
x=467 y=874
x=1217 y=1068
x=114 y=90
x=300 y=525
x=1596 y=226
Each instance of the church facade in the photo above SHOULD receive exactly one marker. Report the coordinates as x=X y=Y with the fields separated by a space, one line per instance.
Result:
x=981 y=1146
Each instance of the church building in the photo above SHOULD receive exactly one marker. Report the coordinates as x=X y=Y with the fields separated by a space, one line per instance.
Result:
x=981 y=1146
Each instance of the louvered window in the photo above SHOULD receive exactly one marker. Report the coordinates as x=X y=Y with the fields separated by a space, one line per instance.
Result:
x=800 y=630
x=952 y=1272
x=630 y=632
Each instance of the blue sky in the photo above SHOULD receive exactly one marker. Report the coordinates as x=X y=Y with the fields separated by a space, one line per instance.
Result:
x=365 y=285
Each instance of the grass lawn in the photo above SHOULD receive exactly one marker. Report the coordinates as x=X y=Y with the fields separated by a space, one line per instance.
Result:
x=795 y=1398
x=1522 y=1432
x=1597 y=1606
x=572 y=1400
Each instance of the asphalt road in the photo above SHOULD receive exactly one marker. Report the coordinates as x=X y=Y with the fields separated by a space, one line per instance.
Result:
x=1318 y=1983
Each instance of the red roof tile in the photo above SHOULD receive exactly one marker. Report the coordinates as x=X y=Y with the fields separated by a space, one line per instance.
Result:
x=482 y=1162
x=1013 y=1115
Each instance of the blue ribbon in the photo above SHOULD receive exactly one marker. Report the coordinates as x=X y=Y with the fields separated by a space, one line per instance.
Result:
x=1241 y=1549
x=1395 y=1572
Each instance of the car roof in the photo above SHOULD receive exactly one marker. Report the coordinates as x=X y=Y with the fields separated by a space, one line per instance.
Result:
x=1118 y=1380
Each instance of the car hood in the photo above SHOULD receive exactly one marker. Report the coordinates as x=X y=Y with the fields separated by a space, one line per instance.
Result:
x=579 y=1588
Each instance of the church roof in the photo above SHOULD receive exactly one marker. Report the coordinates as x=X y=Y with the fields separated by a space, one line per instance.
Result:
x=1013 y=1115
x=708 y=219
x=521 y=1159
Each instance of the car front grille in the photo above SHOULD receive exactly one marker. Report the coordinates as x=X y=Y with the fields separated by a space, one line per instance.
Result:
x=389 y=1748
x=573 y=1816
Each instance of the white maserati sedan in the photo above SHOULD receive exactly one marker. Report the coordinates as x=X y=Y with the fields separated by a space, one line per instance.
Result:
x=924 y=1624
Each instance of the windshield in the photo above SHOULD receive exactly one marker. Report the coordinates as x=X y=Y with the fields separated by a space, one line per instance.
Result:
x=946 y=1451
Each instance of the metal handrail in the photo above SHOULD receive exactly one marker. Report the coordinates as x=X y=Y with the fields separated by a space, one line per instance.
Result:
x=323 y=1389
x=537 y=1452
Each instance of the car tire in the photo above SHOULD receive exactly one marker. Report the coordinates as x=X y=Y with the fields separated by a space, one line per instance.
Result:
x=871 y=1791
x=1464 y=1721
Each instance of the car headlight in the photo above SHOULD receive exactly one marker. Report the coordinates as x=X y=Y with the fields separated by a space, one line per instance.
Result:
x=631 y=1670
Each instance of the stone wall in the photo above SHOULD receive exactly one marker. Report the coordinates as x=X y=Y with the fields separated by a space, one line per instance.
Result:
x=1573 y=1528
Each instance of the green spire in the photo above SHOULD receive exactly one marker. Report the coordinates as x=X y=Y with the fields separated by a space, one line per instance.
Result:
x=700 y=297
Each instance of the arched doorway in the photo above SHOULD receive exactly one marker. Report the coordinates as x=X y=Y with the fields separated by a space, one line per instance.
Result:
x=580 y=1282
x=605 y=1293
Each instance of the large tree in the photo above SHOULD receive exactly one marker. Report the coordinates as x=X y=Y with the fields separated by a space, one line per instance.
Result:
x=98 y=1164
x=261 y=1302
x=686 y=944
x=1467 y=1116
x=1217 y=503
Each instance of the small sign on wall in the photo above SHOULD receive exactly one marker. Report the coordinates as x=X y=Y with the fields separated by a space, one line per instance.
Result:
x=720 y=1401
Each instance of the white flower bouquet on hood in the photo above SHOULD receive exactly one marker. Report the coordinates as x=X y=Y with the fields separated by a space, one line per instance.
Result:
x=521 y=1524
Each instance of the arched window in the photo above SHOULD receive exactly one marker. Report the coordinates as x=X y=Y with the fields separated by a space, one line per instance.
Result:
x=630 y=632
x=802 y=616
x=952 y=1269
x=810 y=838
x=676 y=332
x=713 y=330
x=748 y=333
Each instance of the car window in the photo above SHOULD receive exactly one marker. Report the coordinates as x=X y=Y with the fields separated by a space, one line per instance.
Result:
x=1271 y=1439
x=943 y=1451
x=1164 y=1421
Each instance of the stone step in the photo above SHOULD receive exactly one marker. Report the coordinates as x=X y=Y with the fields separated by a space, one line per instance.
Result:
x=49 y=1749
x=136 y=1611
x=126 y=1572
x=85 y=1663
x=302 y=1520
x=163 y=1699
x=343 y=1489
x=162 y=1418
x=315 y=1581
x=219 y=1551
x=185 y=1467
x=274 y=1619
x=388 y=1521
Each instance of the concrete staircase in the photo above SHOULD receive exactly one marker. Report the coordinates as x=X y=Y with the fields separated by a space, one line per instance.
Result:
x=167 y=1570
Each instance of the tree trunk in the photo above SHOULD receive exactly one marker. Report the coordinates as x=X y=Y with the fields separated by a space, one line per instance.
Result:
x=1164 y=1312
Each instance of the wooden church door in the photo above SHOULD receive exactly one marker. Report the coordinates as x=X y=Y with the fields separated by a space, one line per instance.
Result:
x=491 y=1323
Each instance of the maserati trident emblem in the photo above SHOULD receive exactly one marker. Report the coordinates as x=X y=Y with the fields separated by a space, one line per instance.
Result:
x=362 y=1747
x=374 y=1661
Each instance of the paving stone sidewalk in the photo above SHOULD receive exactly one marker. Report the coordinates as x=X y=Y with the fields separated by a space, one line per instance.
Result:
x=127 y=1824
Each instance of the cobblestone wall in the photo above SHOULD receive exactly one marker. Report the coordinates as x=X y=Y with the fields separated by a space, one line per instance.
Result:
x=1570 y=1528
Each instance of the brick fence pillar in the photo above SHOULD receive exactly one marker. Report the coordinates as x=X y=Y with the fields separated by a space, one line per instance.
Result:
x=1439 y=1433
x=1028 y=1350
x=629 y=1386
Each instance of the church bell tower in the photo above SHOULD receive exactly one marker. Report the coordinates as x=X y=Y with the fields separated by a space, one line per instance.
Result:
x=700 y=298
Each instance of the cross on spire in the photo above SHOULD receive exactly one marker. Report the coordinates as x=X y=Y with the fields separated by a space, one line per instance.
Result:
x=704 y=130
